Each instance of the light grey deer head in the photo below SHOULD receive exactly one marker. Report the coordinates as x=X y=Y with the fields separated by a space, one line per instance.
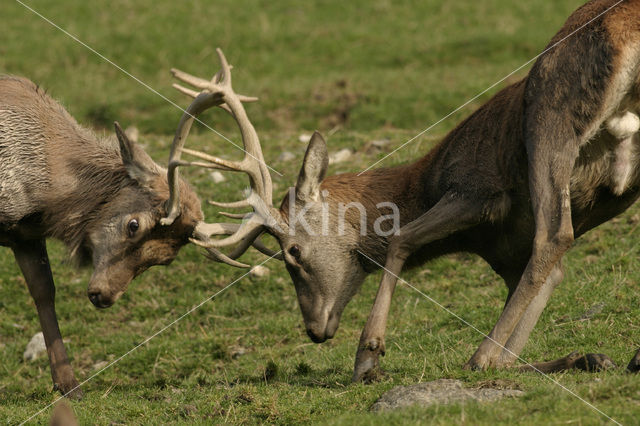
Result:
x=319 y=232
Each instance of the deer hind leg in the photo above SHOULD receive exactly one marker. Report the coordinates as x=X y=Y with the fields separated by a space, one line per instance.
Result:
x=520 y=335
x=550 y=167
x=451 y=214
x=34 y=262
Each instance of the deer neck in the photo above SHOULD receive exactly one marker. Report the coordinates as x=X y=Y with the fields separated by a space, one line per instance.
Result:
x=87 y=173
x=385 y=192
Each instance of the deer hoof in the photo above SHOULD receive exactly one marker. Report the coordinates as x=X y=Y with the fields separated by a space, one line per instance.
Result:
x=634 y=364
x=477 y=363
x=594 y=362
x=367 y=366
x=69 y=388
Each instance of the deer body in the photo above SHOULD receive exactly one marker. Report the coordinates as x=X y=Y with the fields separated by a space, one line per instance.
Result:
x=487 y=162
x=102 y=197
x=544 y=161
x=541 y=163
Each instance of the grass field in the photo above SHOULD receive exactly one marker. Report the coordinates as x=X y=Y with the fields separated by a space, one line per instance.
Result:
x=357 y=71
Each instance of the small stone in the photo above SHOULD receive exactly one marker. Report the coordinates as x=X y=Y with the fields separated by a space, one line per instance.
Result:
x=189 y=410
x=593 y=311
x=237 y=351
x=380 y=143
x=286 y=156
x=442 y=391
x=340 y=156
x=35 y=348
x=217 y=177
x=374 y=146
x=304 y=137
x=132 y=133
x=100 y=365
x=259 y=271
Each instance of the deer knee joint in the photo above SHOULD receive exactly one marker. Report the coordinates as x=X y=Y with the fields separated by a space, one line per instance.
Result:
x=564 y=239
x=398 y=249
x=375 y=344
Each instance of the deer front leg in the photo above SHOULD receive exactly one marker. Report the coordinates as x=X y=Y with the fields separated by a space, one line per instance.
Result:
x=371 y=344
x=449 y=215
x=34 y=262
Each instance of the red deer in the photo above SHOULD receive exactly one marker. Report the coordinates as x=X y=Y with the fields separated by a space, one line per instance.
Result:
x=545 y=160
x=103 y=198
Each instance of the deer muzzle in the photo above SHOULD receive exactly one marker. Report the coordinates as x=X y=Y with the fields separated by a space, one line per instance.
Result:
x=323 y=329
x=106 y=287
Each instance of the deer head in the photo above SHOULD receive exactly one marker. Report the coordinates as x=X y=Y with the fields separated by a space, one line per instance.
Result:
x=319 y=247
x=126 y=237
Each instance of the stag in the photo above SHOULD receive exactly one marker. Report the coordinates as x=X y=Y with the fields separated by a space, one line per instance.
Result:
x=545 y=160
x=103 y=198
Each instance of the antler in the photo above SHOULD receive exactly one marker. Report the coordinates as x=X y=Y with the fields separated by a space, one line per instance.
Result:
x=219 y=92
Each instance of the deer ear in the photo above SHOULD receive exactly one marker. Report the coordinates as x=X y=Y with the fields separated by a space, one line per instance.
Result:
x=314 y=168
x=137 y=162
x=126 y=146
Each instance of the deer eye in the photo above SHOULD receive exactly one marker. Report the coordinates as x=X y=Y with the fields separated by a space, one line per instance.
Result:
x=132 y=227
x=295 y=252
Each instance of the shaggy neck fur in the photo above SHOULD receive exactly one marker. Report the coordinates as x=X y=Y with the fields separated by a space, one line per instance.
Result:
x=83 y=184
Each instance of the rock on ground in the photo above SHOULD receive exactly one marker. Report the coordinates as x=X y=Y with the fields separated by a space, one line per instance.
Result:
x=376 y=146
x=340 y=156
x=304 y=137
x=442 y=391
x=35 y=348
x=217 y=177
x=132 y=133
x=286 y=156
x=259 y=271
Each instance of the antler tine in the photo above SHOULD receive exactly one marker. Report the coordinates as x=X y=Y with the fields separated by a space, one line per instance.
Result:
x=234 y=205
x=194 y=81
x=225 y=69
x=251 y=239
x=219 y=92
x=185 y=90
x=246 y=229
x=217 y=256
x=216 y=92
x=264 y=250
x=230 y=165
x=202 y=102
x=234 y=215
x=246 y=242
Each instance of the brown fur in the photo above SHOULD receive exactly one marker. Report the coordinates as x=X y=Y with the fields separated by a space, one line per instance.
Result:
x=515 y=183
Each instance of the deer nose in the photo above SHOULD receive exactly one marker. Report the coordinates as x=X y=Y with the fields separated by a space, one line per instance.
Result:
x=316 y=337
x=97 y=300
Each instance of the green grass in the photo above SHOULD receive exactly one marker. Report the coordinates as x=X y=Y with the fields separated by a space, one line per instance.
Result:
x=364 y=70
